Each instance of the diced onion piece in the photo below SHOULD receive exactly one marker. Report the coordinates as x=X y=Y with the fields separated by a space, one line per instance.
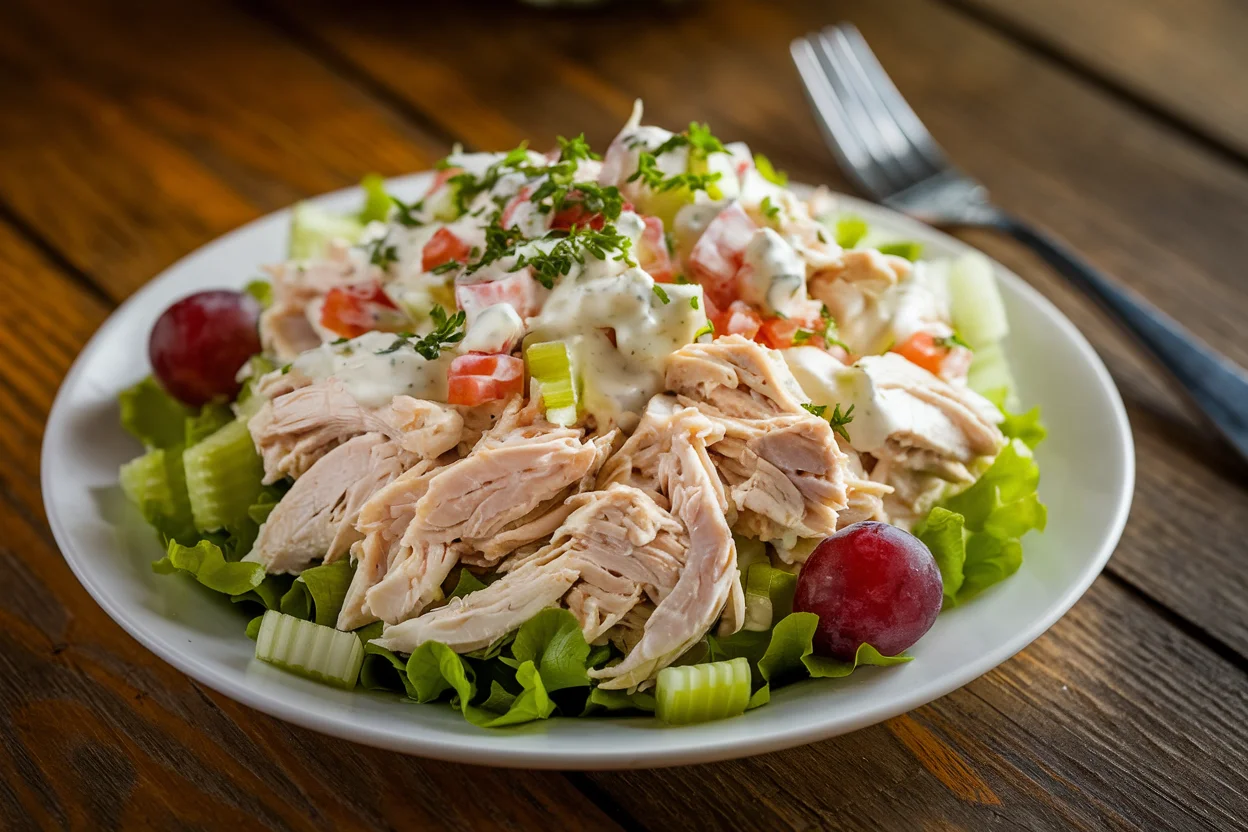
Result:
x=223 y=474
x=550 y=365
x=768 y=596
x=975 y=301
x=702 y=692
x=311 y=650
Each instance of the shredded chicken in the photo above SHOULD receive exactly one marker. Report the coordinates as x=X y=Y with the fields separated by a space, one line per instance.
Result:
x=296 y=428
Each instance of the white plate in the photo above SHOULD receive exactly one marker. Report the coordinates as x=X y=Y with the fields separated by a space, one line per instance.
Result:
x=1088 y=476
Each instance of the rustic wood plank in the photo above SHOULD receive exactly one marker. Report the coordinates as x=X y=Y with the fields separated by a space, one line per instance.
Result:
x=1113 y=720
x=134 y=132
x=1182 y=57
x=99 y=733
x=1152 y=208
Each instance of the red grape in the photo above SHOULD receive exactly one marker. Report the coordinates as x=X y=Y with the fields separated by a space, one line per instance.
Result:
x=199 y=343
x=869 y=583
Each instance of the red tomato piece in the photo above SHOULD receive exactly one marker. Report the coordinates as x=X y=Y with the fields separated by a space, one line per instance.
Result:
x=717 y=256
x=509 y=212
x=476 y=379
x=353 y=310
x=575 y=213
x=738 y=319
x=922 y=349
x=652 y=253
x=443 y=247
x=518 y=289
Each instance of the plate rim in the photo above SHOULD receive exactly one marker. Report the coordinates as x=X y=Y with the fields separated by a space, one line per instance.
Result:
x=726 y=745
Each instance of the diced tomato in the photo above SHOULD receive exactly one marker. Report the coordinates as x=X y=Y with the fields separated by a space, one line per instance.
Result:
x=518 y=289
x=476 y=379
x=738 y=319
x=923 y=349
x=509 y=212
x=652 y=253
x=352 y=310
x=443 y=247
x=779 y=333
x=717 y=256
x=442 y=178
x=575 y=213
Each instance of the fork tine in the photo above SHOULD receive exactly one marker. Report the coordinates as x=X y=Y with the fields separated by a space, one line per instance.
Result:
x=839 y=76
x=872 y=72
x=845 y=143
x=904 y=159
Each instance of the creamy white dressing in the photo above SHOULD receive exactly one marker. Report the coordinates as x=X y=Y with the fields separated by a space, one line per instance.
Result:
x=775 y=277
x=496 y=329
x=374 y=378
x=918 y=304
x=619 y=380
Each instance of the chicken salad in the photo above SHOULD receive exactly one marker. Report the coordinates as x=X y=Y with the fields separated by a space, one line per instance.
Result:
x=572 y=434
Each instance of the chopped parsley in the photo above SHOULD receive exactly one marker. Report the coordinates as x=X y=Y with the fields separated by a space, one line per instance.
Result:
x=770 y=211
x=654 y=179
x=693 y=301
x=802 y=336
x=405 y=212
x=380 y=254
x=447 y=332
x=550 y=265
x=837 y=420
x=662 y=293
x=681 y=280
x=831 y=334
x=707 y=329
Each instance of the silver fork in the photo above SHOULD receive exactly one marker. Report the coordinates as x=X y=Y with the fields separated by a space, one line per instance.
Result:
x=888 y=153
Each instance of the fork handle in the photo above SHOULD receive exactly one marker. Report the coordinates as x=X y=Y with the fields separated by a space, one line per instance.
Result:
x=1216 y=385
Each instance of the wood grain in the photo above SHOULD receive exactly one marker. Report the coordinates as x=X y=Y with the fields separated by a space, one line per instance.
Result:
x=1182 y=57
x=136 y=131
x=1149 y=207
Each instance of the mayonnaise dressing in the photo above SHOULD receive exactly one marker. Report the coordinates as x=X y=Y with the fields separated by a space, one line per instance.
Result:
x=496 y=329
x=618 y=380
x=775 y=276
x=374 y=378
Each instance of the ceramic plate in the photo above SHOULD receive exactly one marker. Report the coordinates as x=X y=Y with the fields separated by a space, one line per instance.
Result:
x=1087 y=463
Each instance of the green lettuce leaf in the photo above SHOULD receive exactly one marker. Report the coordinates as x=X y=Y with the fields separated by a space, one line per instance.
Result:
x=533 y=701
x=467 y=583
x=211 y=418
x=253 y=627
x=433 y=669
x=974 y=536
x=944 y=533
x=790 y=657
x=152 y=416
x=1024 y=426
x=268 y=593
x=317 y=594
x=553 y=642
x=205 y=562
x=614 y=701
x=384 y=671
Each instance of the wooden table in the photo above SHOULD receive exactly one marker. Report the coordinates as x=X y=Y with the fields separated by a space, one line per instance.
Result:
x=132 y=132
